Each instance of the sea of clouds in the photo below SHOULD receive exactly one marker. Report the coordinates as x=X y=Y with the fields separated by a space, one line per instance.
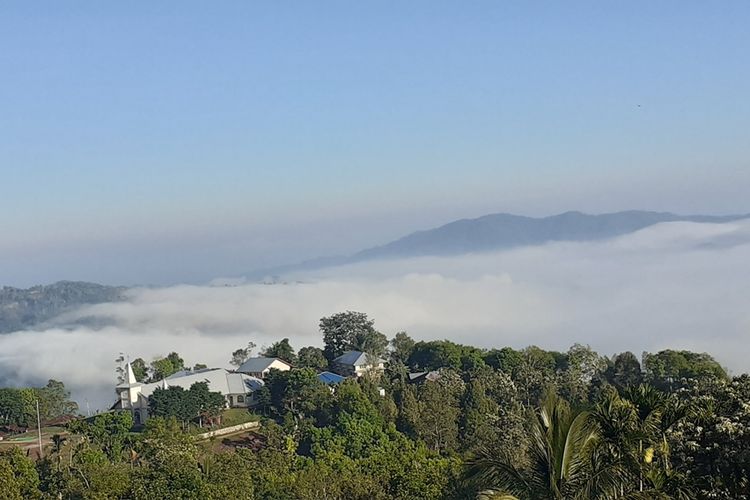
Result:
x=674 y=285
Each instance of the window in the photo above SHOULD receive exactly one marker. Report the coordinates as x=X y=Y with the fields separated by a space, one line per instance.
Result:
x=240 y=399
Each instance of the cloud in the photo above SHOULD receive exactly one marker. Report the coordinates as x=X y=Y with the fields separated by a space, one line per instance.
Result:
x=674 y=285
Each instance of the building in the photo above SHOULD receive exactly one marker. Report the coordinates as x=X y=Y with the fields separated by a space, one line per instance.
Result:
x=259 y=367
x=356 y=363
x=239 y=389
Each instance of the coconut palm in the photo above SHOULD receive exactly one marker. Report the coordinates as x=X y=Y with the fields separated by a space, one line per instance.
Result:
x=558 y=463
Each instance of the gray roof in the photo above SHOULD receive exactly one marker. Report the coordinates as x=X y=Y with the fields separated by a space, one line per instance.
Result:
x=257 y=365
x=240 y=383
x=355 y=358
x=218 y=379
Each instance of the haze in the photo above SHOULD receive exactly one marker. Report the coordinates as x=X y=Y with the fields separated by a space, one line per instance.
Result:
x=674 y=285
x=168 y=143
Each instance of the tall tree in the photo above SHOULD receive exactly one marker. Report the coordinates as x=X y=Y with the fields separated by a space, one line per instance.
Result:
x=240 y=355
x=312 y=357
x=351 y=331
x=401 y=348
x=625 y=371
x=140 y=370
x=12 y=407
x=282 y=350
x=162 y=368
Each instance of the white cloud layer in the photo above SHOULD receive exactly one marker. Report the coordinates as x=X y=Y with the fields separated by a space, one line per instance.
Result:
x=674 y=285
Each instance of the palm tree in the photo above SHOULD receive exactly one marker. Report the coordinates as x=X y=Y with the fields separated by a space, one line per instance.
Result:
x=559 y=458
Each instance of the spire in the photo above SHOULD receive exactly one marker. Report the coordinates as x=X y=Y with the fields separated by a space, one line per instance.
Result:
x=129 y=374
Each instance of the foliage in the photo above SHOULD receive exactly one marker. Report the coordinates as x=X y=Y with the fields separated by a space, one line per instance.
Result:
x=281 y=350
x=311 y=357
x=196 y=402
x=351 y=331
x=18 y=406
x=667 y=369
x=401 y=348
x=444 y=354
x=241 y=355
x=162 y=368
x=110 y=431
x=500 y=423
x=140 y=370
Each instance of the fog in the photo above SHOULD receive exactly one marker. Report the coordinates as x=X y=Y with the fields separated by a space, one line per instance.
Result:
x=674 y=285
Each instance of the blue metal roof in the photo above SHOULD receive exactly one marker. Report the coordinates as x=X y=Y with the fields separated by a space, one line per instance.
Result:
x=329 y=378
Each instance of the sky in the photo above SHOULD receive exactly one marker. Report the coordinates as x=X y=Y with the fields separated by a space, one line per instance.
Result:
x=175 y=142
x=676 y=285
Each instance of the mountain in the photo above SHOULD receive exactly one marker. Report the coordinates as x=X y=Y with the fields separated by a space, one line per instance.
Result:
x=23 y=308
x=503 y=231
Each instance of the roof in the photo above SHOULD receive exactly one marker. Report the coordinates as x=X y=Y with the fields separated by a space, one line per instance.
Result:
x=257 y=365
x=329 y=378
x=422 y=376
x=355 y=358
x=218 y=379
x=239 y=383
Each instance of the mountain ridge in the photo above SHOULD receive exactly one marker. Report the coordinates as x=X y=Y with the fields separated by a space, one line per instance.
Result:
x=501 y=231
x=22 y=308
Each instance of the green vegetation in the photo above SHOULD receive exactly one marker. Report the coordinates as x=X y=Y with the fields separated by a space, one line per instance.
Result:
x=18 y=406
x=501 y=423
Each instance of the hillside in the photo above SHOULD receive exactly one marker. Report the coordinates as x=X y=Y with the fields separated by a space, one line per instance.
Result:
x=23 y=308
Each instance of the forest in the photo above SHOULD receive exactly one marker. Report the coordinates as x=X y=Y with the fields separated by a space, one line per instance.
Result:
x=441 y=421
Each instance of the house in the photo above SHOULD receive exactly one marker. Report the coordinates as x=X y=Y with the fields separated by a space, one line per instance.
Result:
x=356 y=363
x=259 y=367
x=239 y=389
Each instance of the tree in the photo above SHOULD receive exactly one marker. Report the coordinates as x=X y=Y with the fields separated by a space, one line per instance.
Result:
x=164 y=367
x=240 y=355
x=208 y=404
x=12 y=407
x=432 y=410
x=438 y=354
x=401 y=348
x=667 y=369
x=169 y=467
x=351 y=331
x=110 y=431
x=625 y=371
x=559 y=457
x=507 y=360
x=282 y=350
x=54 y=400
x=582 y=365
x=140 y=370
x=311 y=357
x=171 y=402
x=297 y=392
x=18 y=477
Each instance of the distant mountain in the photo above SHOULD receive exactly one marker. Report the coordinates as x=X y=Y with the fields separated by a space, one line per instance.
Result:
x=503 y=231
x=24 y=308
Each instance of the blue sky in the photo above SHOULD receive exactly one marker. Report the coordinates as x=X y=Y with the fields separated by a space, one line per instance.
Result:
x=178 y=141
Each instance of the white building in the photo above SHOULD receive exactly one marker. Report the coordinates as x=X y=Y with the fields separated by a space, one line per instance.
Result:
x=259 y=367
x=239 y=389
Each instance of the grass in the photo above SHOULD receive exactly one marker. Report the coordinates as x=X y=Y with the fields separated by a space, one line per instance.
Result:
x=236 y=416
